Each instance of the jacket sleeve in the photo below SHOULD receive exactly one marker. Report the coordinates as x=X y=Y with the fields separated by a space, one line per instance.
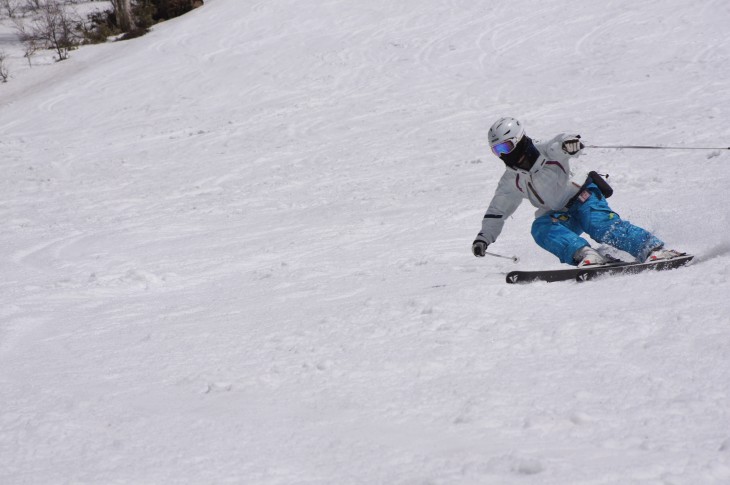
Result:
x=507 y=198
x=554 y=148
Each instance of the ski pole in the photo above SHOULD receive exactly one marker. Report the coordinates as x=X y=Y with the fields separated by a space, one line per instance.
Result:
x=514 y=259
x=651 y=147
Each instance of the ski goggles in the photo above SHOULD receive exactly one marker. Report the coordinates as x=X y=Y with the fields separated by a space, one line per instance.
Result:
x=505 y=147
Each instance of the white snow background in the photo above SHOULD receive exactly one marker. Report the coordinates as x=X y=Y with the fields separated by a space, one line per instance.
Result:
x=237 y=250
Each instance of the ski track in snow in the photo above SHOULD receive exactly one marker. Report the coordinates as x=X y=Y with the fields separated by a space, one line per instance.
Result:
x=237 y=250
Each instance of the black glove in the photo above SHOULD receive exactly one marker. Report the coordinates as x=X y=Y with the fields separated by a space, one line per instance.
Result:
x=573 y=145
x=479 y=248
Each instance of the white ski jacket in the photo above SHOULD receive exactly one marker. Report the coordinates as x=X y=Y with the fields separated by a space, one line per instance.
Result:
x=549 y=185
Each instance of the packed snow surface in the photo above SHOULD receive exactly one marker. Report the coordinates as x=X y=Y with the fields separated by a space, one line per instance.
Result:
x=237 y=250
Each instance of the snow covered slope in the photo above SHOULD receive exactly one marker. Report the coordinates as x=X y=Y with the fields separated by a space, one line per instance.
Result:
x=237 y=250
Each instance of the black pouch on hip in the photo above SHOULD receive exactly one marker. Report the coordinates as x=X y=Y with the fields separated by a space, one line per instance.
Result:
x=601 y=183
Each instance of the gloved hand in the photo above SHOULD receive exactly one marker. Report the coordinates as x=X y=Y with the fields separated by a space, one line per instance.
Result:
x=479 y=248
x=572 y=145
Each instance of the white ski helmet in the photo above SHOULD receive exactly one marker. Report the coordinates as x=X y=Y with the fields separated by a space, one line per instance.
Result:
x=504 y=135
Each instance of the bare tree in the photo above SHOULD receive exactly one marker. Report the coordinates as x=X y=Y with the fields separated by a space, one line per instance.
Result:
x=123 y=12
x=10 y=7
x=53 y=28
x=4 y=73
x=33 y=5
x=30 y=48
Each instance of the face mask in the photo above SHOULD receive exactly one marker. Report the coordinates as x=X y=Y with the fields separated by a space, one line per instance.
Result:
x=523 y=156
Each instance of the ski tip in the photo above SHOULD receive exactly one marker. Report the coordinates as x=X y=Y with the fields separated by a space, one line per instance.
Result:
x=513 y=277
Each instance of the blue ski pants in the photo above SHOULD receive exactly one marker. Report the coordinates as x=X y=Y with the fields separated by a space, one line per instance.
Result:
x=560 y=232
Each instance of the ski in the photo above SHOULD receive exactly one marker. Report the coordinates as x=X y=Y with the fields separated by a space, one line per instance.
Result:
x=588 y=273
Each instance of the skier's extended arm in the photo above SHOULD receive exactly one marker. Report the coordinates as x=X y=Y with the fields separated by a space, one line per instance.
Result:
x=564 y=146
x=504 y=203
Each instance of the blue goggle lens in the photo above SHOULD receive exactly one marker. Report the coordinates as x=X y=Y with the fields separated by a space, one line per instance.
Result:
x=503 y=148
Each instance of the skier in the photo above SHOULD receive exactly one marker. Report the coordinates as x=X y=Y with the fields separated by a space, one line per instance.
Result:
x=570 y=201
